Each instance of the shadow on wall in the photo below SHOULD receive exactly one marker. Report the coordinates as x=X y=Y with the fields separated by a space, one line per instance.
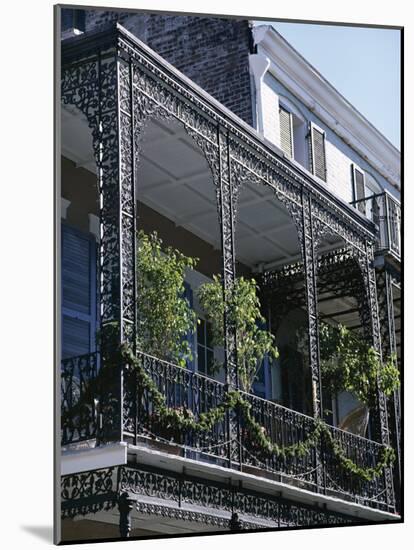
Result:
x=42 y=532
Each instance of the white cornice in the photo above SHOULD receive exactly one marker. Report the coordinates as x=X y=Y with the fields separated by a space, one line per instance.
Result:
x=310 y=87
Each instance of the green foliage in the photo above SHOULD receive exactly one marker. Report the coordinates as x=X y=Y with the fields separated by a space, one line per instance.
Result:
x=164 y=315
x=348 y=363
x=389 y=376
x=177 y=420
x=253 y=342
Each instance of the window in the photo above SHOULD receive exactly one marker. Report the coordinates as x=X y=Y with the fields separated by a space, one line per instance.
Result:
x=293 y=132
x=205 y=349
x=317 y=151
x=358 y=188
x=79 y=319
x=262 y=385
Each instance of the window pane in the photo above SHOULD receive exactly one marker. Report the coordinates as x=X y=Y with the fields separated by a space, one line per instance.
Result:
x=209 y=335
x=201 y=332
x=210 y=362
x=260 y=374
x=201 y=359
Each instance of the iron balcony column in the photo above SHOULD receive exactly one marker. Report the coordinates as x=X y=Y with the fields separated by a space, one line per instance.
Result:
x=226 y=188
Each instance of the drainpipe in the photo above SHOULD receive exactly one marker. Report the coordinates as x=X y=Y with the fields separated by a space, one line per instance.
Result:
x=258 y=65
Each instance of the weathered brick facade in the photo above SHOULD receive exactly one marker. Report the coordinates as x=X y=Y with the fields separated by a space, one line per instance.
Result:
x=211 y=51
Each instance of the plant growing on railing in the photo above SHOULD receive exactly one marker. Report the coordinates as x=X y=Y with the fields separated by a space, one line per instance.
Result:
x=178 y=419
x=243 y=309
x=348 y=363
x=164 y=314
x=166 y=426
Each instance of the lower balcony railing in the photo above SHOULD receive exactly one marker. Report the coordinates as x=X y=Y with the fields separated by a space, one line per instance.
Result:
x=229 y=442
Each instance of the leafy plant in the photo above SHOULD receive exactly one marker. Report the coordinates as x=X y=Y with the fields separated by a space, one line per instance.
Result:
x=253 y=342
x=165 y=317
x=348 y=363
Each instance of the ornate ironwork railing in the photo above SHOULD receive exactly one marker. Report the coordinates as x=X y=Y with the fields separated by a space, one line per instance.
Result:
x=185 y=391
x=363 y=452
x=193 y=394
x=78 y=394
x=284 y=427
x=102 y=489
x=385 y=211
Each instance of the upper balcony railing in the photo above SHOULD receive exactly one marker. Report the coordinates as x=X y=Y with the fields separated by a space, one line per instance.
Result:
x=318 y=469
x=385 y=211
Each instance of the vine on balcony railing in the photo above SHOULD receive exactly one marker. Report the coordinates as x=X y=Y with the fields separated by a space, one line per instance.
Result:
x=233 y=400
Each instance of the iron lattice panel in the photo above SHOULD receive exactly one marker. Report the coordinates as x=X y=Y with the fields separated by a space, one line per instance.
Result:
x=187 y=498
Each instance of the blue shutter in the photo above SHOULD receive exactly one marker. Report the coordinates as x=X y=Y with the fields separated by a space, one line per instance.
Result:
x=79 y=319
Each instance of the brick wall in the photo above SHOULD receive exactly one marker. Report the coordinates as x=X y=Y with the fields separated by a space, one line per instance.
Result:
x=213 y=52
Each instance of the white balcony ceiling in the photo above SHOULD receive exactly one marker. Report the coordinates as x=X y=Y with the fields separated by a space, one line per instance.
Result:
x=175 y=180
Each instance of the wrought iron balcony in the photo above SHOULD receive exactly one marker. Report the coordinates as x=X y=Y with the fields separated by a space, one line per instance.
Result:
x=120 y=85
x=318 y=470
x=385 y=211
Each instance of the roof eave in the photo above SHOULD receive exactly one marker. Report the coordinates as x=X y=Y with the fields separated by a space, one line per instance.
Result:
x=306 y=83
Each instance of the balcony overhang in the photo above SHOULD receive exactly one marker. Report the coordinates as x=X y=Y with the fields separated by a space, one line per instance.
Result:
x=84 y=460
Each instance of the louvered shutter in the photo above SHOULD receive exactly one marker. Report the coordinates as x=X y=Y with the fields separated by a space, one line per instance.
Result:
x=78 y=293
x=318 y=154
x=358 y=177
x=286 y=131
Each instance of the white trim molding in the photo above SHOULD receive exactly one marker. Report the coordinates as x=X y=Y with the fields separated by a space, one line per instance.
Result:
x=320 y=97
x=94 y=226
x=64 y=205
x=258 y=64
x=84 y=459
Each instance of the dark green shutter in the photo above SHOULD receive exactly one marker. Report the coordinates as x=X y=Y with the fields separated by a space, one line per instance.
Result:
x=318 y=153
x=286 y=137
